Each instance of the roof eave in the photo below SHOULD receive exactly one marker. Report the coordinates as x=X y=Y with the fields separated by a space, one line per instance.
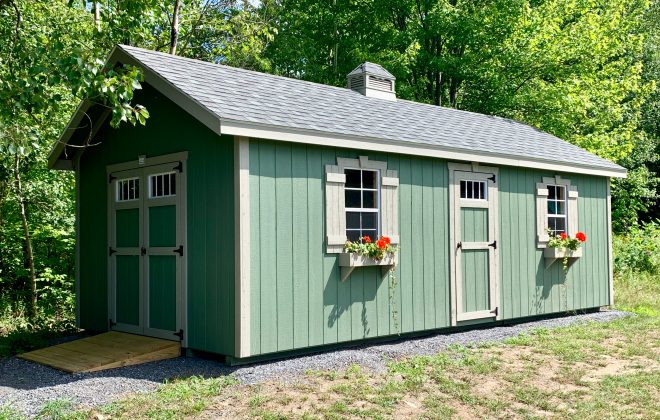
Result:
x=295 y=135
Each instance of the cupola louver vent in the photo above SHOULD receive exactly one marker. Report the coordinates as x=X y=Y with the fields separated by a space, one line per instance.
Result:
x=372 y=80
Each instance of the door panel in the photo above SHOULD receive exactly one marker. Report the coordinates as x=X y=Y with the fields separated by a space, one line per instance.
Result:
x=127 y=228
x=128 y=289
x=474 y=224
x=162 y=292
x=162 y=226
x=476 y=296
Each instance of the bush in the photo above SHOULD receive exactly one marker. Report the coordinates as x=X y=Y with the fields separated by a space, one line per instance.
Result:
x=638 y=251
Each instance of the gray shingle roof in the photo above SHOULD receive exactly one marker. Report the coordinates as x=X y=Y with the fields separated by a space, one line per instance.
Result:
x=253 y=97
x=372 y=68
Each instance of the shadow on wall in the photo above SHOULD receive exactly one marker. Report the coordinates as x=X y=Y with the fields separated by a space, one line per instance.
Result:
x=547 y=280
x=356 y=292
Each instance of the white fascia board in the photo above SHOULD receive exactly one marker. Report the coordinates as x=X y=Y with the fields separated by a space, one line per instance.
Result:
x=61 y=142
x=270 y=132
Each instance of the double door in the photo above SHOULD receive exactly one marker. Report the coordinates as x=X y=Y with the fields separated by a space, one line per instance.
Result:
x=145 y=251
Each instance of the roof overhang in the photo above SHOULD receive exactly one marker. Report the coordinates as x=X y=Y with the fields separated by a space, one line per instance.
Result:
x=59 y=159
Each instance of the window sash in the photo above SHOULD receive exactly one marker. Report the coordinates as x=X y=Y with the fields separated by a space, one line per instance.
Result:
x=376 y=210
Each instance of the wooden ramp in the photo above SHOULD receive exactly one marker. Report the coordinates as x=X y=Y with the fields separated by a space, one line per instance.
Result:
x=104 y=351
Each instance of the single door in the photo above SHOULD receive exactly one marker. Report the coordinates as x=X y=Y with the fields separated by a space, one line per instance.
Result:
x=146 y=250
x=475 y=235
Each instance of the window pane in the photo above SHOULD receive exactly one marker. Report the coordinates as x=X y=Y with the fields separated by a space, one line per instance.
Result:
x=368 y=179
x=463 y=189
x=557 y=225
x=469 y=190
x=369 y=220
x=369 y=200
x=560 y=192
x=561 y=207
x=552 y=207
x=352 y=178
x=352 y=199
x=352 y=220
x=371 y=234
x=482 y=190
x=551 y=192
x=173 y=184
x=353 y=235
x=137 y=188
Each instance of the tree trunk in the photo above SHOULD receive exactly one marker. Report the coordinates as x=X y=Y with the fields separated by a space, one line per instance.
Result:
x=97 y=16
x=174 y=34
x=29 y=256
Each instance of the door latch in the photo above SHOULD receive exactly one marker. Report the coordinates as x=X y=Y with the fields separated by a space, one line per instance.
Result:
x=179 y=250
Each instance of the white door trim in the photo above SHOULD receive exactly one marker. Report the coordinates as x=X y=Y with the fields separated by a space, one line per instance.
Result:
x=477 y=172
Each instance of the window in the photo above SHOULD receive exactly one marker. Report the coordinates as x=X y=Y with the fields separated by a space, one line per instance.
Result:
x=361 y=198
x=162 y=185
x=473 y=190
x=128 y=189
x=556 y=209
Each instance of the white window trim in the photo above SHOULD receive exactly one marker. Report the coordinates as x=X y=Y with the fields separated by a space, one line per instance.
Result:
x=542 y=236
x=363 y=209
x=151 y=192
x=118 y=187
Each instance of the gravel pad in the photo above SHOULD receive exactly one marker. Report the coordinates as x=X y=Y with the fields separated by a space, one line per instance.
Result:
x=27 y=386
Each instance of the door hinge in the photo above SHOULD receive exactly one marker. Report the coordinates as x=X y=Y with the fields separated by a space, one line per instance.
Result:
x=111 y=323
x=179 y=250
x=492 y=178
x=495 y=311
x=111 y=251
x=143 y=251
x=111 y=178
x=179 y=334
x=179 y=167
x=459 y=245
x=493 y=244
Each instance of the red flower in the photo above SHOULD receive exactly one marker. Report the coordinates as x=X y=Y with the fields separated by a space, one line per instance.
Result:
x=386 y=239
x=381 y=243
x=366 y=239
x=580 y=236
x=563 y=235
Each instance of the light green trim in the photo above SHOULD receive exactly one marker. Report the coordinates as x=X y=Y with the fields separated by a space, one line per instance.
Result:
x=242 y=216
x=610 y=258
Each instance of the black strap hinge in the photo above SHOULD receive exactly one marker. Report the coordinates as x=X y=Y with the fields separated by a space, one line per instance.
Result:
x=111 y=251
x=492 y=178
x=179 y=167
x=179 y=334
x=459 y=245
x=495 y=311
x=143 y=251
x=111 y=178
x=493 y=244
x=179 y=250
x=111 y=323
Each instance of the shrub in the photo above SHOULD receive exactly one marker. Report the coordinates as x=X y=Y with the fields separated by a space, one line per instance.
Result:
x=639 y=250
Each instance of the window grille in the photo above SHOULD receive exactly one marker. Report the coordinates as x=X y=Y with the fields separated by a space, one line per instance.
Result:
x=128 y=189
x=162 y=185
x=362 y=202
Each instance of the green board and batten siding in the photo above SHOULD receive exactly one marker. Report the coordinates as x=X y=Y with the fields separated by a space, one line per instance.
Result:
x=210 y=242
x=297 y=300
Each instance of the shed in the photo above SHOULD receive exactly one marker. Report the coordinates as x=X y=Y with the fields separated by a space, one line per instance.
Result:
x=222 y=222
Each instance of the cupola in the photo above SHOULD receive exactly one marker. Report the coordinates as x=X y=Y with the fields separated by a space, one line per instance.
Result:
x=372 y=80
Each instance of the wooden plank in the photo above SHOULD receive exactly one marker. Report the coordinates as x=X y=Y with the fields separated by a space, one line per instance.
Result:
x=104 y=351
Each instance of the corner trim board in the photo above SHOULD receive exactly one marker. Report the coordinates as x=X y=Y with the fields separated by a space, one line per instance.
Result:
x=242 y=235
x=610 y=259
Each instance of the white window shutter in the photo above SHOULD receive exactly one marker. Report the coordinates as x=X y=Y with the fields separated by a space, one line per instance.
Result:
x=335 y=215
x=542 y=236
x=389 y=204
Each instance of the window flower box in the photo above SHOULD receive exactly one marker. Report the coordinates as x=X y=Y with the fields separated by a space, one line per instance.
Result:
x=349 y=261
x=553 y=254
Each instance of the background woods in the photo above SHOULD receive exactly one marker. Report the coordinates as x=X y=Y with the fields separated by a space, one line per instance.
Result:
x=584 y=70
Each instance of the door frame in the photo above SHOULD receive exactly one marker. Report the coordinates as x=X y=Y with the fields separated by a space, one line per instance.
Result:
x=182 y=232
x=454 y=225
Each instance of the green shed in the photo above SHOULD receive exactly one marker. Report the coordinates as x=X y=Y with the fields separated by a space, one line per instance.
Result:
x=222 y=222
